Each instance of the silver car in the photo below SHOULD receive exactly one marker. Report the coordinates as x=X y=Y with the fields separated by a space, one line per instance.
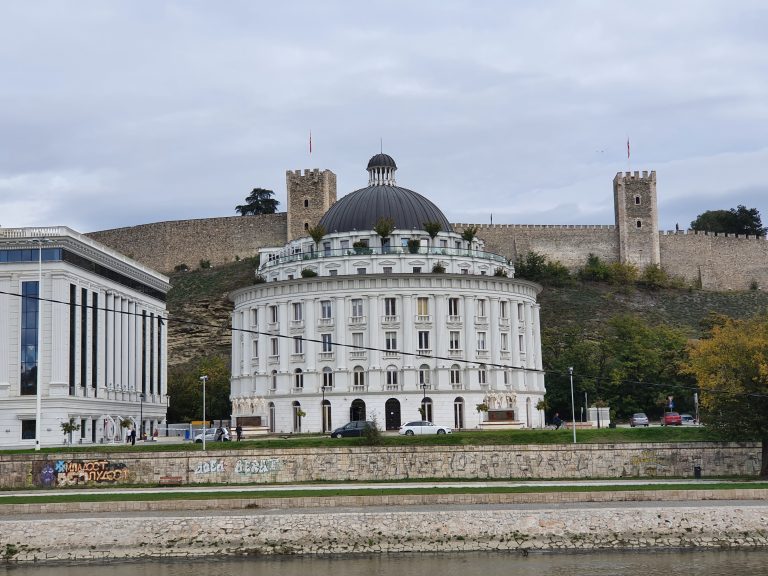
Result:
x=423 y=427
x=638 y=419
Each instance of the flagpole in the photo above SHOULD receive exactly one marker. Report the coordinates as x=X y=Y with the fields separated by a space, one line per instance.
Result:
x=629 y=160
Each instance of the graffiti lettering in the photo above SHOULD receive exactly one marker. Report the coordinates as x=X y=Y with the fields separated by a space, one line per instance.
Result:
x=74 y=472
x=209 y=467
x=262 y=466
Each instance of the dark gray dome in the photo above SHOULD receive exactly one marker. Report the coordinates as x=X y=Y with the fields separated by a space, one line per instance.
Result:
x=382 y=161
x=361 y=209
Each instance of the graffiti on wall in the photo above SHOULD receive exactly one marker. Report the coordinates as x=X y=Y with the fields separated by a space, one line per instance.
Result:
x=210 y=466
x=263 y=466
x=58 y=473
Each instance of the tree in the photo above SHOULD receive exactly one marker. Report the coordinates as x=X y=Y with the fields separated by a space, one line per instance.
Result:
x=739 y=220
x=186 y=391
x=259 y=201
x=317 y=233
x=68 y=427
x=731 y=368
x=433 y=229
x=469 y=234
x=384 y=227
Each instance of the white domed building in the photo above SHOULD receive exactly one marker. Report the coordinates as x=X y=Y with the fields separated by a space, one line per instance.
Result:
x=390 y=315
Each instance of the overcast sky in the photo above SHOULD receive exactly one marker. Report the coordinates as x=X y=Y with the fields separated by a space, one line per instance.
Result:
x=121 y=113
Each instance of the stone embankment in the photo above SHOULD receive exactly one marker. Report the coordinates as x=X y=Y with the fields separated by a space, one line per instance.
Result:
x=385 y=530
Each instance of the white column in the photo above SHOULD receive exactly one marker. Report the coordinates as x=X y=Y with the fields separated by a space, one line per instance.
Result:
x=408 y=323
x=109 y=326
x=6 y=337
x=136 y=320
x=310 y=333
x=470 y=337
x=123 y=351
x=58 y=348
x=237 y=344
x=536 y=335
x=101 y=376
x=495 y=374
x=374 y=323
x=283 y=343
x=530 y=352
x=340 y=333
x=263 y=339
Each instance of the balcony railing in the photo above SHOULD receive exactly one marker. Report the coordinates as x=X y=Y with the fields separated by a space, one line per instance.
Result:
x=378 y=251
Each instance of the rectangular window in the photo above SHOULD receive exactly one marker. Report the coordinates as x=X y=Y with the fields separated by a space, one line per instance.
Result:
x=521 y=343
x=273 y=314
x=357 y=307
x=297 y=311
x=255 y=348
x=357 y=339
x=390 y=307
x=504 y=309
x=482 y=376
x=325 y=309
x=481 y=341
x=30 y=319
x=361 y=270
x=481 y=308
x=333 y=272
x=298 y=345
x=453 y=306
x=422 y=306
x=454 y=340
x=255 y=317
x=28 y=429
x=423 y=340
x=504 y=341
x=344 y=246
x=274 y=344
x=327 y=342
x=455 y=375
x=387 y=270
x=84 y=338
x=326 y=248
x=417 y=269
x=390 y=339
x=520 y=316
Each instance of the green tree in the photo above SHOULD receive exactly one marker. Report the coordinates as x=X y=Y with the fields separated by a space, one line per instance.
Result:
x=537 y=267
x=259 y=201
x=739 y=220
x=469 y=233
x=317 y=233
x=68 y=428
x=186 y=390
x=433 y=229
x=731 y=368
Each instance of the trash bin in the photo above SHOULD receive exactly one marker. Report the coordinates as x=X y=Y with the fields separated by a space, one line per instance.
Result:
x=697 y=472
x=186 y=434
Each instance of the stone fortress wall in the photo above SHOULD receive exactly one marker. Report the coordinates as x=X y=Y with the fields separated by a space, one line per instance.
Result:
x=714 y=262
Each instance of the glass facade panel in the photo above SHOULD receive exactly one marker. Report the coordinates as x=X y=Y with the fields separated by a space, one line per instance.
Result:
x=30 y=306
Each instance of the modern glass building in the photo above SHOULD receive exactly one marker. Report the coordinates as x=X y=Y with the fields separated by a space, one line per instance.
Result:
x=86 y=324
x=388 y=313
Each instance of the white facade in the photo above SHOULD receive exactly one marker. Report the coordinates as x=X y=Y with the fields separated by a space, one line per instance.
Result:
x=97 y=333
x=358 y=327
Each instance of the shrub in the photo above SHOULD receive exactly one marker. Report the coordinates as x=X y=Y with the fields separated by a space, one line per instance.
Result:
x=205 y=264
x=754 y=285
x=259 y=279
x=181 y=268
x=595 y=270
x=372 y=434
x=500 y=272
x=622 y=274
x=413 y=245
x=438 y=268
x=308 y=273
x=539 y=268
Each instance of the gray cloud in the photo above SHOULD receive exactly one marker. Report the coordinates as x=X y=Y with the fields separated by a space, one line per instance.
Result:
x=120 y=113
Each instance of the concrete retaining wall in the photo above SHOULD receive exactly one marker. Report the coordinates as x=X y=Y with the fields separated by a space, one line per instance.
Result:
x=376 y=463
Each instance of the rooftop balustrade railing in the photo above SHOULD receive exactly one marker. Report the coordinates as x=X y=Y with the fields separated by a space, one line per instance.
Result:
x=276 y=260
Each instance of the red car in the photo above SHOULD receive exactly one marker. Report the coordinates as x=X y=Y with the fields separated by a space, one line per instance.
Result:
x=671 y=419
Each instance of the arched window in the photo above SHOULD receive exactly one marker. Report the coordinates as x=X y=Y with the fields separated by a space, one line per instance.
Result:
x=506 y=378
x=298 y=378
x=306 y=202
x=327 y=377
x=358 y=375
x=298 y=414
x=639 y=224
x=391 y=377
x=482 y=375
x=424 y=376
x=273 y=382
x=458 y=413
x=637 y=200
x=272 y=417
x=455 y=375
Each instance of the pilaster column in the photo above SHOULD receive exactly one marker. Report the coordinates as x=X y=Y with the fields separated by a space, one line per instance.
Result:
x=536 y=335
x=530 y=352
x=6 y=337
x=283 y=343
x=494 y=344
x=340 y=335
x=374 y=323
x=310 y=333
x=408 y=323
x=59 y=345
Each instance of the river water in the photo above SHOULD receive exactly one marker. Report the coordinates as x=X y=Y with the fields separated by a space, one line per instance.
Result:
x=666 y=563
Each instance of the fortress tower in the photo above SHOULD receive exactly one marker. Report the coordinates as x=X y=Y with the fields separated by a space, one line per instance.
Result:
x=637 y=222
x=310 y=195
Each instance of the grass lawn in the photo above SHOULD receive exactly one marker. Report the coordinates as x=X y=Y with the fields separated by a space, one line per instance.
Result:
x=469 y=438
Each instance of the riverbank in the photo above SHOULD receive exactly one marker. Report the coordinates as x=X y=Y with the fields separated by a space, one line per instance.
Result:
x=445 y=527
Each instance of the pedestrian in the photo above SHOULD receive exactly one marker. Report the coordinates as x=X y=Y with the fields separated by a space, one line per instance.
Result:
x=133 y=436
x=239 y=432
x=557 y=421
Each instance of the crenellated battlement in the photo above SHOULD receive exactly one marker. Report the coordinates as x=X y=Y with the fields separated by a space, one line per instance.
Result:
x=713 y=234
x=636 y=175
x=538 y=226
x=307 y=172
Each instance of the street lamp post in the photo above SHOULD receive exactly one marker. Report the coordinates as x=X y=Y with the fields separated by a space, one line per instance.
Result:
x=39 y=384
x=204 y=379
x=424 y=402
x=573 y=405
x=322 y=408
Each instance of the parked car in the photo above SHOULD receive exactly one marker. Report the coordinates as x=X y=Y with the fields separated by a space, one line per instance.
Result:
x=688 y=420
x=671 y=419
x=355 y=428
x=423 y=427
x=213 y=435
x=638 y=419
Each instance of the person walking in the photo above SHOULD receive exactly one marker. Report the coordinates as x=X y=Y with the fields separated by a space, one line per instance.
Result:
x=239 y=432
x=557 y=421
x=133 y=436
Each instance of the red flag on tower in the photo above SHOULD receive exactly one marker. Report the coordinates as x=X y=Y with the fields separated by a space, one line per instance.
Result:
x=310 y=141
x=627 y=148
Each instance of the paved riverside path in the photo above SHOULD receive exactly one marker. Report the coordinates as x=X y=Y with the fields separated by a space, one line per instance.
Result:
x=265 y=488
